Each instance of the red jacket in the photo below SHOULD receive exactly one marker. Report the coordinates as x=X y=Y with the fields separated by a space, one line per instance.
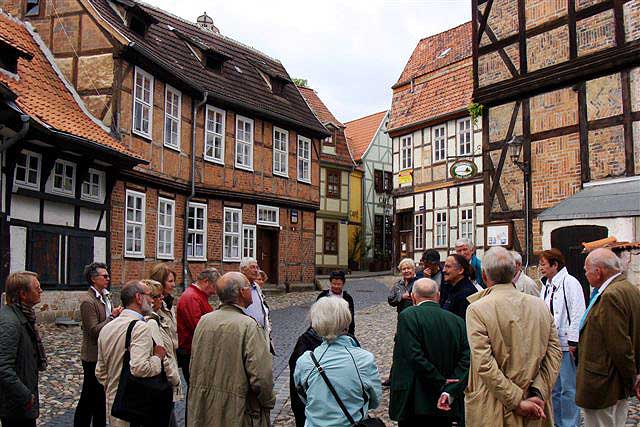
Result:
x=193 y=304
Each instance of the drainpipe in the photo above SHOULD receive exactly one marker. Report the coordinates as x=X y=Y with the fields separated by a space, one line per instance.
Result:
x=8 y=142
x=185 y=265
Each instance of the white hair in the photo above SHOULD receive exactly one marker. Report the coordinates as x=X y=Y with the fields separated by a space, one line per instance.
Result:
x=407 y=261
x=499 y=266
x=605 y=259
x=330 y=317
x=465 y=241
x=425 y=288
x=247 y=262
x=517 y=257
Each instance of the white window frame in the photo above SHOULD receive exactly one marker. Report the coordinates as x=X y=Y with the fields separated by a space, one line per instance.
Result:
x=169 y=116
x=406 y=152
x=242 y=143
x=441 y=234
x=166 y=227
x=275 y=223
x=26 y=184
x=141 y=224
x=144 y=104
x=225 y=234
x=469 y=222
x=460 y=133
x=248 y=241
x=304 y=158
x=62 y=191
x=418 y=231
x=282 y=154
x=101 y=186
x=439 y=151
x=195 y=231
x=213 y=134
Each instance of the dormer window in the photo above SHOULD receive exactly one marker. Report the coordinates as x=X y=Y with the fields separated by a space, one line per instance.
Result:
x=8 y=58
x=277 y=85
x=32 y=8
x=214 y=61
x=138 y=19
x=138 y=26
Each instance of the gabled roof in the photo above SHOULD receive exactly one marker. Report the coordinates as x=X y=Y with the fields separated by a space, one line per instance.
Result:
x=43 y=94
x=434 y=85
x=360 y=133
x=321 y=111
x=239 y=85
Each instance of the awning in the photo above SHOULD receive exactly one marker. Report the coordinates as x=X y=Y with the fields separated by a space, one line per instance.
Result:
x=613 y=200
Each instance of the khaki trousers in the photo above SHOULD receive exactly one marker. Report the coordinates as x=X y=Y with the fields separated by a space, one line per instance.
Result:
x=613 y=416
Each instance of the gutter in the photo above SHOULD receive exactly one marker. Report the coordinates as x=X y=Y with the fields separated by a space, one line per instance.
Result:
x=9 y=142
x=186 y=274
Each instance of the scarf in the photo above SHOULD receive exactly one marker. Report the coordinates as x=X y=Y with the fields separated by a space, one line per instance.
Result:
x=30 y=314
x=168 y=301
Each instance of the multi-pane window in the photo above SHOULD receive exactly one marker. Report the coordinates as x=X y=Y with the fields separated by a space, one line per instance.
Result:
x=441 y=229
x=93 y=186
x=280 y=152
x=142 y=103
x=27 y=172
x=388 y=182
x=214 y=135
x=33 y=8
x=268 y=215
x=231 y=234
x=377 y=181
x=304 y=159
x=248 y=241
x=466 y=223
x=197 y=231
x=166 y=220
x=465 y=143
x=173 y=100
x=439 y=143
x=419 y=231
x=64 y=176
x=330 y=237
x=406 y=151
x=244 y=143
x=333 y=183
x=134 y=226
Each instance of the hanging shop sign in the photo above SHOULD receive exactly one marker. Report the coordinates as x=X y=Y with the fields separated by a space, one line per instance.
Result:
x=463 y=169
x=405 y=177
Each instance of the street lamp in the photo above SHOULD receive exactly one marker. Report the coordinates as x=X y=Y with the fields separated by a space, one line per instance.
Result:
x=515 y=146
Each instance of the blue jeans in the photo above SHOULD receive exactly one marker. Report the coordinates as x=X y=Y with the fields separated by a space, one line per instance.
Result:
x=563 y=395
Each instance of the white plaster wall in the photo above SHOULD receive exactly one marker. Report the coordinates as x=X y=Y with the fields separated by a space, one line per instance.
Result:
x=622 y=228
x=479 y=215
x=453 y=222
x=58 y=214
x=100 y=249
x=18 y=247
x=419 y=202
x=440 y=199
x=328 y=149
x=89 y=219
x=466 y=195
x=404 y=202
x=480 y=193
x=428 y=200
x=332 y=205
x=453 y=196
x=343 y=244
x=25 y=208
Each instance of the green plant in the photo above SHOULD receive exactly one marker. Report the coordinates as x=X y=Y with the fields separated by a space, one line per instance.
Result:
x=475 y=111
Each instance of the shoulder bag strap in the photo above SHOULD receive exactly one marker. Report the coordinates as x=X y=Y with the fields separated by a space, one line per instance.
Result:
x=332 y=390
x=566 y=306
x=127 y=344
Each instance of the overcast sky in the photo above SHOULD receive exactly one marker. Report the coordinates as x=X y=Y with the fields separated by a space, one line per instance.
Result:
x=350 y=51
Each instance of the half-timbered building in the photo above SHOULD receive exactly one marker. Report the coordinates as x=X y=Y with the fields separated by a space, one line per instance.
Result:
x=559 y=80
x=437 y=148
x=58 y=170
x=231 y=144
x=370 y=146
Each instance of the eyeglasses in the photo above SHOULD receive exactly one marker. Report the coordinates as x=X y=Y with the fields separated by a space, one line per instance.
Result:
x=106 y=276
x=156 y=296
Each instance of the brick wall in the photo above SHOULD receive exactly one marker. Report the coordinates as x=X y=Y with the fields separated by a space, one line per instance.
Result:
x=606 y=152
x=548 y=48
x=596 y=33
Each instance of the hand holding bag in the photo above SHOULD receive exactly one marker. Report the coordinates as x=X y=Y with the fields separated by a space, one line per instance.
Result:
x=145 y=401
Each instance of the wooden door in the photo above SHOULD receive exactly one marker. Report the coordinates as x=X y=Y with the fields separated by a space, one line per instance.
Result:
x=43 y=256
x=569 y=241
x=267 y=253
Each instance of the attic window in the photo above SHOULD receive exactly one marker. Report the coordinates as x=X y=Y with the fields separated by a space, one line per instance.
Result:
x=9 y=58
x=214 y=60
x=444 y=53
x=32 y=8
x=277 y=85
x=138 y=26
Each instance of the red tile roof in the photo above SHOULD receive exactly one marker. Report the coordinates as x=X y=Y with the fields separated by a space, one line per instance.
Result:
x=440 y=85
x=42 y=92
x=317 y=106
x=360 y=133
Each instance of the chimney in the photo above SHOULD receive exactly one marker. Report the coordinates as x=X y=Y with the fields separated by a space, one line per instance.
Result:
x=205 y=22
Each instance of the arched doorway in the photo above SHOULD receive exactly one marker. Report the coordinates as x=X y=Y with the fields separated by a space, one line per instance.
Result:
x=569 y=241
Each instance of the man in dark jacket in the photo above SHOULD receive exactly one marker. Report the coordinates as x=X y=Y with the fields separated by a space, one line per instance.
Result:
x=22 y=354
x=457 y=286
x=307 y=341
x=336 y=289
x=430 y=362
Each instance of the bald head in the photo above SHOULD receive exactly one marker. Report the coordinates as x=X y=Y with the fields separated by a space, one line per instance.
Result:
x=425 y=290
x=230 y=288
x=601 y=264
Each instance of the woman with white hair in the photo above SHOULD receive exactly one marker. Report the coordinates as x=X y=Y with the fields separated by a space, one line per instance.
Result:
x=349 y=369
x=400 y=295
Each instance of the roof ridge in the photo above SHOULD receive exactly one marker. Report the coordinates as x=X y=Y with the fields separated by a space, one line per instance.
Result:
x=364 y=117
x=445 y=31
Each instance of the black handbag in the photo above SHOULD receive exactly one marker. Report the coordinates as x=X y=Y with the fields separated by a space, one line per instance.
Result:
x=366 y=421
x=144 y=401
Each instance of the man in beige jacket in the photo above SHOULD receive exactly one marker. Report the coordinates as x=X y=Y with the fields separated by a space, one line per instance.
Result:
x=231 y=369
x=146 y=358
x=515 y=351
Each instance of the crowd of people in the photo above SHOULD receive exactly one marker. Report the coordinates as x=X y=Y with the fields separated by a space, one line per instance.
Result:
x=476 y=343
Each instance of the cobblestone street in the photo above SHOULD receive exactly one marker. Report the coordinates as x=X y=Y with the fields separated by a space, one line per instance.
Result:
x=375 y=327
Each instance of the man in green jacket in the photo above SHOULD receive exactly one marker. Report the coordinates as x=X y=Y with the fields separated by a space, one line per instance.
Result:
x=430 y=362
x=21 y=352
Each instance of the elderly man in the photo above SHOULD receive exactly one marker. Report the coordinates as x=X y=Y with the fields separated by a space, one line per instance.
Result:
x=258 y=309
x=430 y=362
x=192 y=305
x=457 y=286
x=96 y=310
x=467 y=249
x=231 y=368
x=22 y=354
x=145 y=356
x=431 y=268
x=609 y=354
x=521 y=281
x=515 y=352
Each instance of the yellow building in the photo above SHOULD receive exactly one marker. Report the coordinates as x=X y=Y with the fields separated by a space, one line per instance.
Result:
x=357 y=247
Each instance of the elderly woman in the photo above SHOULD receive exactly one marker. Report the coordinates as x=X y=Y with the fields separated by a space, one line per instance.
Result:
x=167 y=277
x=351 y=370
x=261 y=279
x=400 y=295
x=161 y=333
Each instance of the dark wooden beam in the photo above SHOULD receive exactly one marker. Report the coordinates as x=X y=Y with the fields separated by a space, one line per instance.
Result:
x=583 y=124
x=503 y=153
x=628 y=124
x=522 y=37
x=474 y=45
x=573 y=37
x=483 y=21
x=486 y=161
x=503 y=54
x=526 y=154
x=618 y=16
